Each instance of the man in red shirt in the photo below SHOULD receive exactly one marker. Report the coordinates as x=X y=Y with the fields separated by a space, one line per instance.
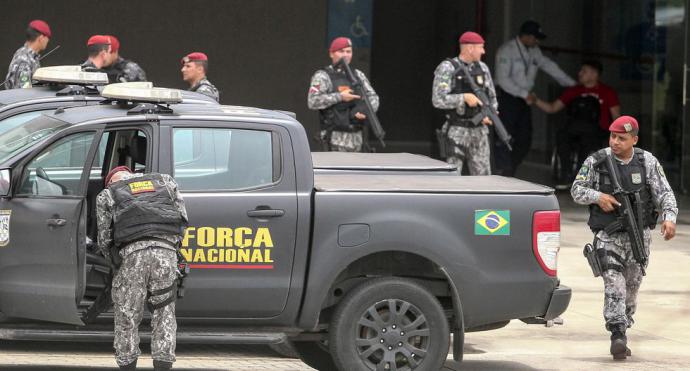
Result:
x=591 y=106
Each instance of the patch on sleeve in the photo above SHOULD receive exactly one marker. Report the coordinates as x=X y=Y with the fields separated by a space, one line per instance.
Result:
x=582 y=174
x=314 y=88
x=442 y=85
x=660 y=170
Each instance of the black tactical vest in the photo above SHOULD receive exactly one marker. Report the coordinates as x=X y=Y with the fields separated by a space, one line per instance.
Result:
x=460 y=85
x=143 y=206
x=339 y=116
x=633 y=178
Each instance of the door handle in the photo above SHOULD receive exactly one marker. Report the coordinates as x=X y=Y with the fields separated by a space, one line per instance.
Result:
x=265 y=213
x=57 y=222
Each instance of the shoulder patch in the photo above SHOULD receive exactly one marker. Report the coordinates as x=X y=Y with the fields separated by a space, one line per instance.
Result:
x=660 y=170
x=582 y=174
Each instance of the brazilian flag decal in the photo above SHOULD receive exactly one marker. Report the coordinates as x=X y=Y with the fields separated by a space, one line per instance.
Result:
x=492 y=222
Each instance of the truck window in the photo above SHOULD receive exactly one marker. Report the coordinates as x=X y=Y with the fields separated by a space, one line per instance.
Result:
x=57 y=170
x=222 y=159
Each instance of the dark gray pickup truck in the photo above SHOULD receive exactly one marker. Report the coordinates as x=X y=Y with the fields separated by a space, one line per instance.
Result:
x=359 y=270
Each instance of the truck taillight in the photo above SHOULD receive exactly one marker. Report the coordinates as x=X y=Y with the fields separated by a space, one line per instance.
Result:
x=546 y=239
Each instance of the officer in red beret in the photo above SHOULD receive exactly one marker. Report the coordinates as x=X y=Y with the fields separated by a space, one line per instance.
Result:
x=465 y=139
x=26 y=59
x=340 y=110
x=194 y=70
x=121 y=69
x=100 y=54
x=643 y=181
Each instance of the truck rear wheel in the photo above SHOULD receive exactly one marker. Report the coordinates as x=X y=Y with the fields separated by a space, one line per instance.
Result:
x=389 y=324
x=315 y=354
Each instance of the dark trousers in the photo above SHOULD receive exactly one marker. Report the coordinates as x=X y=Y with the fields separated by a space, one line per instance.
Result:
x=517 y=118
x=581 y=138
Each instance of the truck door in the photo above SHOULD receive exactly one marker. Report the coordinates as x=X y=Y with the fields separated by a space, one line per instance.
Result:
x=41 y=228
x=239 y=189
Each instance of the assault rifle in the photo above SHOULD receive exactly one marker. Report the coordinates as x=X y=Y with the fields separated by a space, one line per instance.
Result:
x=374 y=123
x=626 y=215
x=487 y=110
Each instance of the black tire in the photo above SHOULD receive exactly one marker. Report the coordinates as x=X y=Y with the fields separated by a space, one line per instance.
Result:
x=284 y=349
x=364 y=334
x=315 y=354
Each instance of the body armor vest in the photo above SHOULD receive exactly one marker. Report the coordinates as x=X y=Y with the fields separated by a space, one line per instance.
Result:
x=460 y=85
x=143 y=207
x=633 y=178
x=339 y=116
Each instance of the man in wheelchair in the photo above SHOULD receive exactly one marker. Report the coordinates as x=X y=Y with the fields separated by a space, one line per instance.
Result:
x=590 y=107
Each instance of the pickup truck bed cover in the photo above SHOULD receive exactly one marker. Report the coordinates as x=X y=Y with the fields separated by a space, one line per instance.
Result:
x=493 y=184
x=378 y=161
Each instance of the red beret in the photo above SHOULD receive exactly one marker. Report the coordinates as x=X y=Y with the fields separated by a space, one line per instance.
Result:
x=340 y=43
x=196 y=56
x=624 y=124
x=115 y=170
x=114 y=43
x=41 y=27
x=470 y=37
x=98 y=39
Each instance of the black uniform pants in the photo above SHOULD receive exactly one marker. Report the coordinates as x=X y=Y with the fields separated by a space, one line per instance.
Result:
x=581 y=138
x=517 y=118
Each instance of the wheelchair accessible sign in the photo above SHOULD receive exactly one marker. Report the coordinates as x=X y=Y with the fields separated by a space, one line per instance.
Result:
x=492 y=222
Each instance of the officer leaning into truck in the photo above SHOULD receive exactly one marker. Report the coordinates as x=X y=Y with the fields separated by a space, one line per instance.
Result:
x=141 y=219
x=621 y=265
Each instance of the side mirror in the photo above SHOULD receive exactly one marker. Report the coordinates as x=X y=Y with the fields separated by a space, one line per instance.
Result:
x=5 y=182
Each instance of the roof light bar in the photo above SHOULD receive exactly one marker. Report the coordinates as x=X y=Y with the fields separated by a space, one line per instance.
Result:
x=141 y=92
x=70 y=75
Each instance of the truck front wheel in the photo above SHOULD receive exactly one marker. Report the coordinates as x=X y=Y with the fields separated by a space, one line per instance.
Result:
x=389 y=324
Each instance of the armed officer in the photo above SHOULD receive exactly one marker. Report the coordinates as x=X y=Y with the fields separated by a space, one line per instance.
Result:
x=141 y=219
x=340 y=110
x=638 y=171
x=26 y=59
x=468 y=141
x=121 y=69
x=194 y=70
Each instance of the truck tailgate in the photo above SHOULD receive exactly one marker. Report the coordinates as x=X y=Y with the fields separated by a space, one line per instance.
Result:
x=493 y=184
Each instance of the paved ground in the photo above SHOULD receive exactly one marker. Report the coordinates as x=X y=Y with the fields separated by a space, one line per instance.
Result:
x=659 y=340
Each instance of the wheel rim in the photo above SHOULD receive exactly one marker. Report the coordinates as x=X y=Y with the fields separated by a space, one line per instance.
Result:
x=392 y=334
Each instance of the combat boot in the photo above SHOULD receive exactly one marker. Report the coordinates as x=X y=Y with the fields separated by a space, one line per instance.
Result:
x=130 y=367
x=619 y=342
x=162 y=365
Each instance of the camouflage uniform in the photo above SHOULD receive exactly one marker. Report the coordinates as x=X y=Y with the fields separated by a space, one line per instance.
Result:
x=205 y=87
x=469 y=144
x=620 y=288
x=322 y=95
x=22 y=67
x=125 y=70
x=88 y=66
x=146 y=266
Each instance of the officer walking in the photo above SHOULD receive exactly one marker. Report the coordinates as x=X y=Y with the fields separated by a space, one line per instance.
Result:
x=194 y=70
x=517 y=63
x=26 y=59
x=100 y=56
x=121 y=69
x=141 y=217
x=638 y=171
x=340 y=110
x=468 y=141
